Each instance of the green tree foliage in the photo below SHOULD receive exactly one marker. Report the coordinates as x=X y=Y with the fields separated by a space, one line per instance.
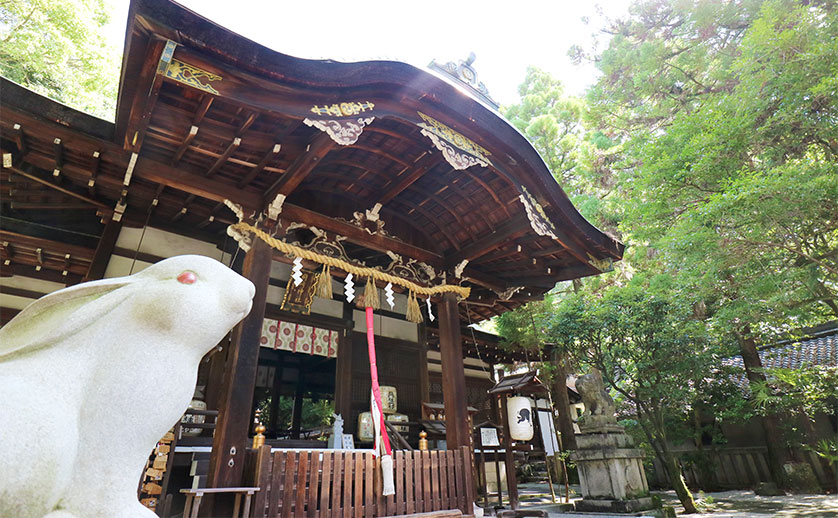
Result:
x=579 y=159
x=739 y=192
x=716 y=127
x=651 y=351
x=57 y=49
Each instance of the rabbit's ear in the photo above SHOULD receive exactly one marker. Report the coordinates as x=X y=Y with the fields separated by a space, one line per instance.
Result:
x=56 y=315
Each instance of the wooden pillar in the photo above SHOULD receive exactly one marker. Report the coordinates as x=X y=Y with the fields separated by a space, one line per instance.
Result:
x=104 y=250
x=297 y=412
x=509 y=456
x=273 y=426
x=457 y=432
x=343 y=369
x=561 y=400
x=236 y=397
x=424 y=382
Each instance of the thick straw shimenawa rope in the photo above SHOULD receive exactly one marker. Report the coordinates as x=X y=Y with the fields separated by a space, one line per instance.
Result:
x=357 y=271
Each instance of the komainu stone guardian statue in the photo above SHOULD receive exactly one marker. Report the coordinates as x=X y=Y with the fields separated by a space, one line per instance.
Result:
x=610 y=468
x=599 y=407
x=76 y=367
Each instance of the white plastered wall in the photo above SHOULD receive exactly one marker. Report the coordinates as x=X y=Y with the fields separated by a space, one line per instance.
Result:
x=474 y=368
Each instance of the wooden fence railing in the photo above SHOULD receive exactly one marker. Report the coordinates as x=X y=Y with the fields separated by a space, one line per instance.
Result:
x=732 y=467
x=334 y=483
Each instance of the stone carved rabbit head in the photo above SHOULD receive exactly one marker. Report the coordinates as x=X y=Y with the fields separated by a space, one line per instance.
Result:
x=95 y=374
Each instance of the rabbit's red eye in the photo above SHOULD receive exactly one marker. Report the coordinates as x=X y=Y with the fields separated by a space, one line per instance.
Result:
x=187 y=277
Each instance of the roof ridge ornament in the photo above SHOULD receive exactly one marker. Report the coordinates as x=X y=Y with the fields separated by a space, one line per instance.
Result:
x=463 y=72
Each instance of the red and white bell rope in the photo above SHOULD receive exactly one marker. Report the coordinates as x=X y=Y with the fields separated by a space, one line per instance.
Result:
x=382 y=440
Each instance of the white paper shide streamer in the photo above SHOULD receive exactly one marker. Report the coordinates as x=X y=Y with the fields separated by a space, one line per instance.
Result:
x=388 y=295
x=297 y=271
x=349 y=288
x=430 y=313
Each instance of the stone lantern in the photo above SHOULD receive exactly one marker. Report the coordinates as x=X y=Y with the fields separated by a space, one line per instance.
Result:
x=610 y=467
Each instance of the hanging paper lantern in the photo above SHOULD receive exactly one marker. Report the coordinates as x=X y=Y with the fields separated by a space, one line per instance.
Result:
x=366 y=427
x=399 y=418
x=519 y=414
x=389 y=401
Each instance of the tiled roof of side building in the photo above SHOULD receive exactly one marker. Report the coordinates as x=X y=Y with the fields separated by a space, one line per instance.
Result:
x=821 y=349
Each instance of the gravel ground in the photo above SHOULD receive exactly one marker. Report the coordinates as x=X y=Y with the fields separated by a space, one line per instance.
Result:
x=726 y=504
x=745 y=504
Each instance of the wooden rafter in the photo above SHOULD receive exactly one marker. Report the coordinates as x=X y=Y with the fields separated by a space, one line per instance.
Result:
x=158 y=56
x=433 y=221
x=231 y=148
x=99 y=205
x=206 y=102
x=398 y=184
x=506 y=231
x=491 y=191
x=234 y=143
x=319 y=147
x=564 y=274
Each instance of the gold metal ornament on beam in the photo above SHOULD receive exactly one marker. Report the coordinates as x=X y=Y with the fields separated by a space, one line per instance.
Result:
x=241 y=229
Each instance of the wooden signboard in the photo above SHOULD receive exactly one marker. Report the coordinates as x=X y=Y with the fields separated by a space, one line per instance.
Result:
x=298 y=298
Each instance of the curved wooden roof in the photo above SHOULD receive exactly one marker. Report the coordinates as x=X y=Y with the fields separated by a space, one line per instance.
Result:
x=211 y=115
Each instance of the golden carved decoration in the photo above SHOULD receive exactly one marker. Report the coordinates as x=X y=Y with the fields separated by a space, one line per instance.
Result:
x=344 y=109
x=191 y=75
x=603 y=265
x=535 y=213
x=449 y=141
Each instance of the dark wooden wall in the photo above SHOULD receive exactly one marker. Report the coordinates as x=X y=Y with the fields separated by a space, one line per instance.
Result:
x=398 y=366
x=476 y=395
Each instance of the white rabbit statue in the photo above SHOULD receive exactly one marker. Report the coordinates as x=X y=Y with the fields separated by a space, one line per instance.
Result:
x=77 y=366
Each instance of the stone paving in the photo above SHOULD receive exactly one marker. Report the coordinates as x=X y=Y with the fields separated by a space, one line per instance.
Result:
x=726 y=504
x=745 y=504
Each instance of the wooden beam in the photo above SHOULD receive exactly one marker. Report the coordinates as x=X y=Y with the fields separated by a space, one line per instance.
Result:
x=58 y=156
x=506 y=231
x=94 y=172
x=231 y=147
x=148 y=169
x=19 y=138
x=104 y=250
x=302 y=166
x=481 y=278
x=411 y=173
x=6 y=314
x=20 y=292
x=178 y=178
x=193 y=130
x=206 y=102
x=51 y=205
x=358 y=235
x=158 y=57
x=45 y=274
x=457 y=431
x=266 y=158
x=17 y=240
x=236 y=398
x=94 y=203
x=270 y=154
x=563 y=274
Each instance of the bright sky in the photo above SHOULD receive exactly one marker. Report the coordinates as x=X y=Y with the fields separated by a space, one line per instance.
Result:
x=505 y=36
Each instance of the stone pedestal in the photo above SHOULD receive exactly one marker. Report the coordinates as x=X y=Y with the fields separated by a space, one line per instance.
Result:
x=610 y=469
